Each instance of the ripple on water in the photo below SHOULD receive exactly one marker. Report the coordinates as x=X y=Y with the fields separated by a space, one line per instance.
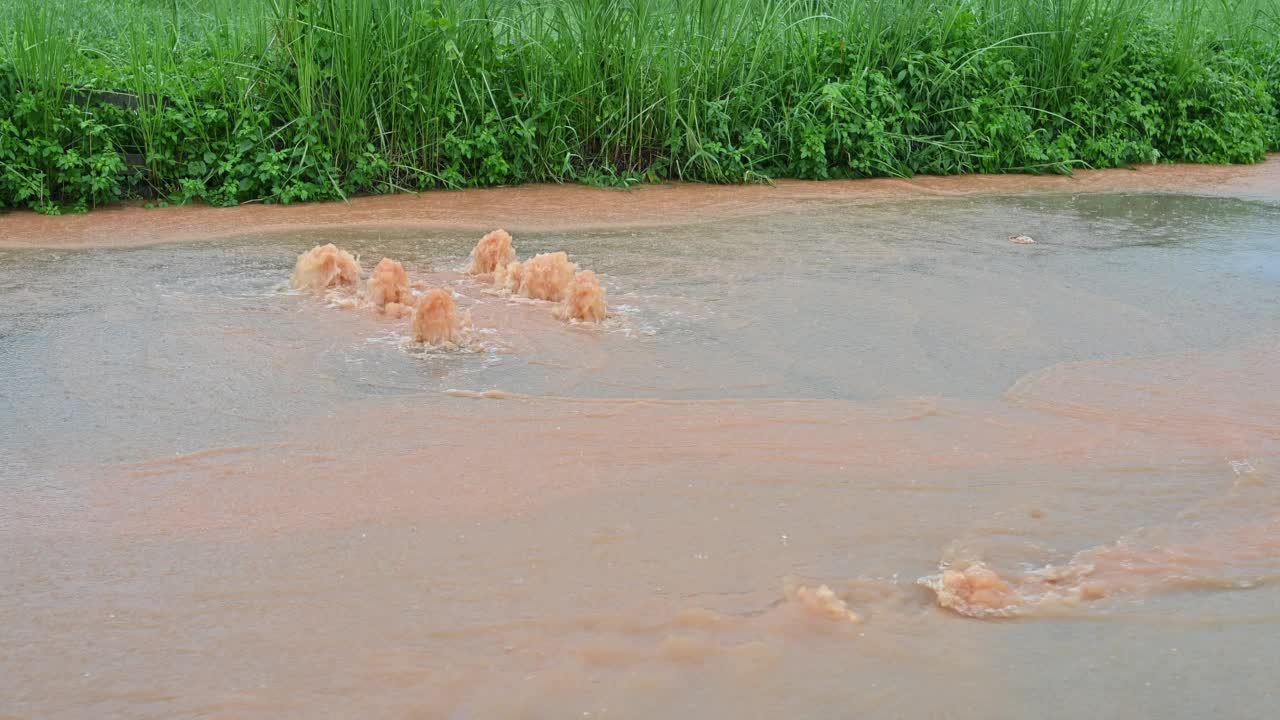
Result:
x=682 y=509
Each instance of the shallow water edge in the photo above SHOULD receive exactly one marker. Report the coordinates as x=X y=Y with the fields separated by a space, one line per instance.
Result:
x=543 y=207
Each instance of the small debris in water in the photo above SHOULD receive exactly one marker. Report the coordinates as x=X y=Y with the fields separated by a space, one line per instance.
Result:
x=1022 y=239
x=1241 y=467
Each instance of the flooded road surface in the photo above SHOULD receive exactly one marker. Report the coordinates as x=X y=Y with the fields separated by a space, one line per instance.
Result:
x=1035 y=480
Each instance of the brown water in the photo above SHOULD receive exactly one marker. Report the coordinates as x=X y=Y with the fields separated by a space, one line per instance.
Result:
x=585 y=299
x=545 y=276
x=220 y=497
x=328 y=266
x=492 y=253
x=435 y=319
x=389 y=284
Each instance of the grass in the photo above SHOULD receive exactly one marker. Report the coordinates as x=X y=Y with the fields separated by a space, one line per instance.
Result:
x=233 y=101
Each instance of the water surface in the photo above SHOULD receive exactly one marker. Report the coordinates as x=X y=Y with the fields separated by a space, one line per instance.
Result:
x=223 y=498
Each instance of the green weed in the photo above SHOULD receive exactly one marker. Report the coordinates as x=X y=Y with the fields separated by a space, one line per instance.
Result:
x=232 y=101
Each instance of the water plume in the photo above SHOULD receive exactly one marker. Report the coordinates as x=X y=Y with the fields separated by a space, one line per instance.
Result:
x=510 y=277
x=398 y=310
x=389 y=284
x=492 y=253
x=585 y=299
x=547 y=276
x=435 y=321
x=325 y=266
x=1238 y=557
x=822 y=602
x=976 y=591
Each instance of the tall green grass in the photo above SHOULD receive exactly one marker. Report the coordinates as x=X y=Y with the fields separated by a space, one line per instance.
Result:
x=235 y=101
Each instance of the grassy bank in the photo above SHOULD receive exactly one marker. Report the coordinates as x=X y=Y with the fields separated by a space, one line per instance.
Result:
x=232 y=101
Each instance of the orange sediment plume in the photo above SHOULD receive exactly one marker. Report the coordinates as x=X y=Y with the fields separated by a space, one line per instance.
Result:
x=435 y=321
x=976 y=591
x=492 y=253
x=547 y=276
x=325 y=266
x=1236 y=557
x=397 y=310
x=585 y=299
x=510 y=277
x=823 y=602
x=551 y=276
x=389 y=284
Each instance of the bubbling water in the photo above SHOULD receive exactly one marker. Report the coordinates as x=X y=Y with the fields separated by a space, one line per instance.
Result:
x=325 y=266
x=492 y=253
x=1237 y=557
x=510 y=277
x=585 y=299
x=552 y=277
x=435 y=321
x=976 y=591
x=397 y=310
x=389 y=285
x=547 y=276
x=822 y=602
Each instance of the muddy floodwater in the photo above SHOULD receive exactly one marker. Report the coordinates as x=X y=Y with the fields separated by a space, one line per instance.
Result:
x=834 y=455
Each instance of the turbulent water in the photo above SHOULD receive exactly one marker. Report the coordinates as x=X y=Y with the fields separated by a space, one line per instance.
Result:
x=841 y=458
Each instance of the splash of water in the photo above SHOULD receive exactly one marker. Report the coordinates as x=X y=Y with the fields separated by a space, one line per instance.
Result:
x=435 y=321
x=492 y=253
x=585 y=299
x=822 y=602
x=510 y=277
x=976 y=591
x=325 y=266
x=547 y=276
x=389 y=285
x=1237 y=557
x=398 y=310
